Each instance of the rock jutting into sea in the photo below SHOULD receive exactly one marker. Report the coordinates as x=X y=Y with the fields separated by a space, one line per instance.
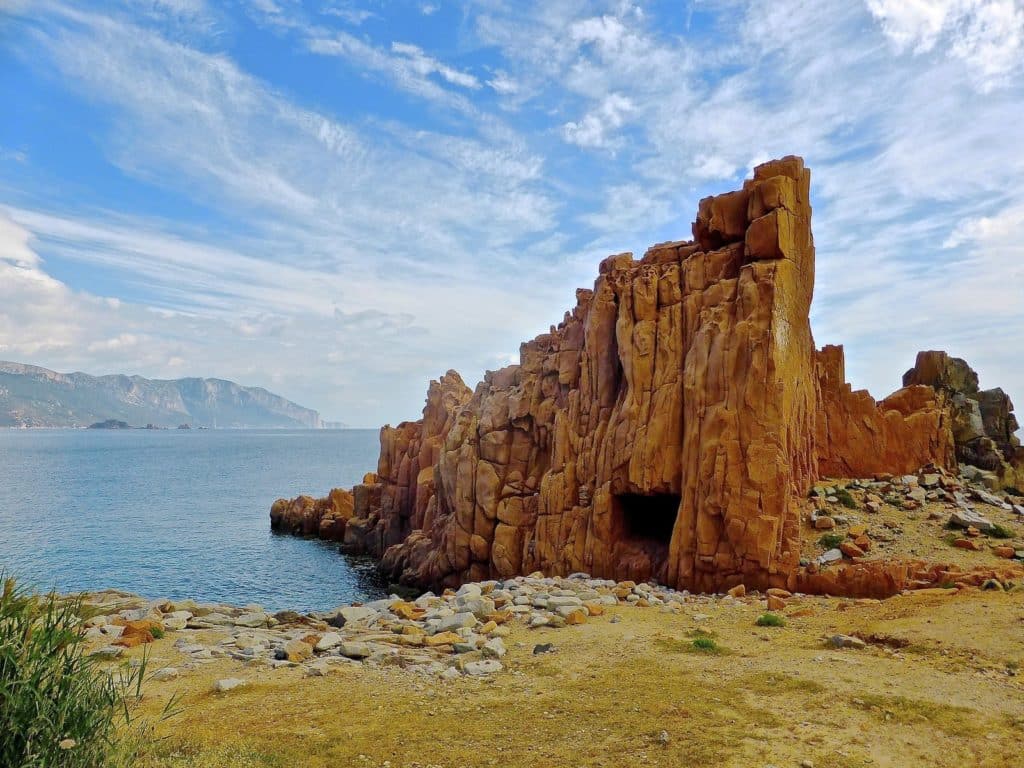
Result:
x=670 y=428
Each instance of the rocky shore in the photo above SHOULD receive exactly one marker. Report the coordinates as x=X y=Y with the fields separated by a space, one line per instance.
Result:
x=931 y=531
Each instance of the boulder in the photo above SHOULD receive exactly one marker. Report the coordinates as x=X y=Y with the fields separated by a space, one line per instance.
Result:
x=968 y=518
x=295 y=651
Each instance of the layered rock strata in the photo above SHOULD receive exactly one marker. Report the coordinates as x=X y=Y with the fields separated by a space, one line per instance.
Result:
x=669 y=428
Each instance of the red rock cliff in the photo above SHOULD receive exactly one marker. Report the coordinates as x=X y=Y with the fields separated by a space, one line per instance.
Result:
x=669 y=427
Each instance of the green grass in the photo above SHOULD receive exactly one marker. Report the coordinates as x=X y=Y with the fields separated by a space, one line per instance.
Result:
x=846 y=499
x=156 y=632
x=831 y=540
x=705 y=645
x=1000 y=532
x=770 y=620
x=697 y=642
x=61 y=708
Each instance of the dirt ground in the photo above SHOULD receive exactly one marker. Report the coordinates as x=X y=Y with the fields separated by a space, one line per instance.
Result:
x=937 y=685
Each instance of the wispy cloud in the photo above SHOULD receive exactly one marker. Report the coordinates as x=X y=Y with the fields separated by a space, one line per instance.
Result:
x=986 y=35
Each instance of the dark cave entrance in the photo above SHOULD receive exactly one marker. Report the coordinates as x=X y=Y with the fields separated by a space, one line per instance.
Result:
x=645 y=524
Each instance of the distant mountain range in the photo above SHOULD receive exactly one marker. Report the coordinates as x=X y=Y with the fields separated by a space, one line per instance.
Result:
x=36 y=397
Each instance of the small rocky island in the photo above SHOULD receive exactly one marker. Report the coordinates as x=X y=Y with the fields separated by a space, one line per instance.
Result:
x=111 y=424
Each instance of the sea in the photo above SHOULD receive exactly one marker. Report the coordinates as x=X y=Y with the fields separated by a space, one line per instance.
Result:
x=179 y=513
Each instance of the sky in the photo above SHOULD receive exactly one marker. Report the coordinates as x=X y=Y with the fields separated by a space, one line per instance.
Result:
x=341 y=200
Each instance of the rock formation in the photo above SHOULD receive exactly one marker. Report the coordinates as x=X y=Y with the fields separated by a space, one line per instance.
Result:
x=325 y=518
x=982 y=421
x=669 y=428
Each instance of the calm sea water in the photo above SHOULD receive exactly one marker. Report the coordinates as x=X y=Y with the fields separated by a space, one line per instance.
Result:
x=179 y=514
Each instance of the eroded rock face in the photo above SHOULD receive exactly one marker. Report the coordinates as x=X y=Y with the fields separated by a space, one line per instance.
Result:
x=665 y=429
x=983 y=423
x=669 y=428
x=858 y=437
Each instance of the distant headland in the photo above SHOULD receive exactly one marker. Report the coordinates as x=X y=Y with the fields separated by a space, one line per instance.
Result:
x=35 y=397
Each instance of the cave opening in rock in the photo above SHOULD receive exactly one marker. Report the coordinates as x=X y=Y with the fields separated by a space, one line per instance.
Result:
x=648 y=520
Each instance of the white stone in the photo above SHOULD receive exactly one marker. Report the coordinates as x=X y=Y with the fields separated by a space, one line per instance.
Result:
x=328 y=641
x=227 y=684
x=354 y=650
x=481 y=668
x=455 y=621
x=494 y=648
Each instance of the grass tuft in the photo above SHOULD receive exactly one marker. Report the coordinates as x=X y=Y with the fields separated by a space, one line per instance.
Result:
x=705 y=645
x=831 y=540
x=698 y=642
x=770 y=620
x=952 y=720
x=846 y=498
x=1000 y=532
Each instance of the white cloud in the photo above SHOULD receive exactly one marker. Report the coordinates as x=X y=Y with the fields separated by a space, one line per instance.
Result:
x=597 y=129
x=503 y=84
x=426 y=65
x=987 y=35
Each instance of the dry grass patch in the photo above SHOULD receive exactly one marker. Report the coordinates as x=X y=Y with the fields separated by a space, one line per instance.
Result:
x=954 y=721
x=773 y=684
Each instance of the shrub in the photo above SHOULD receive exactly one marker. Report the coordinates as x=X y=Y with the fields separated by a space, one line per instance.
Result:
x=59 y=707
x=831 y=540
x=156 y=632
x=846 y=498
x=770 y=620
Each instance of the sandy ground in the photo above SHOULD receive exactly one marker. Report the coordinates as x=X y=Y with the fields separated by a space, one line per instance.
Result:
x=936 y=687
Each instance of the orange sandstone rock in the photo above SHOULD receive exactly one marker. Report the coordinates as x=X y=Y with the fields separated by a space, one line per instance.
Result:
x=967 y=544
x=668 y=428
x=776 y=603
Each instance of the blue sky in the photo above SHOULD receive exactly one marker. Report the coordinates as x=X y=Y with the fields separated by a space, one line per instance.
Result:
x=341 y=200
